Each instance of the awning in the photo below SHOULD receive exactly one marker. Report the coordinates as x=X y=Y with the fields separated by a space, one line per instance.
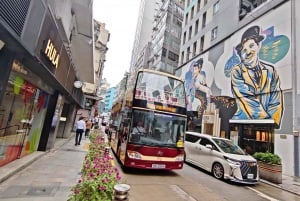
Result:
x=251 y=121
x=93 y=97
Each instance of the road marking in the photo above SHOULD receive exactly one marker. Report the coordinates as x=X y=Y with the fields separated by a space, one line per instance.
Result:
x=263 y=195
x=182 y=193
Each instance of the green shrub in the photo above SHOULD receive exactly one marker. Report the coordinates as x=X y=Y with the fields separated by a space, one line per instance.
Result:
x=267 y=157
x=99 y=175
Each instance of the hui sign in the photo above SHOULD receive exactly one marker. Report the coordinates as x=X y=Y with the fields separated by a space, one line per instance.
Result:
x=51 y=53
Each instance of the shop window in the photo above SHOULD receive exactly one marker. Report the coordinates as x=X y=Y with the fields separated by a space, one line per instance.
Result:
x=254 y=137
x=22 y=108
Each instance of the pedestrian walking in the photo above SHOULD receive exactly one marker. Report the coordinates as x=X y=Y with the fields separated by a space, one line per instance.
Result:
x=80 y=128
x=88 y=125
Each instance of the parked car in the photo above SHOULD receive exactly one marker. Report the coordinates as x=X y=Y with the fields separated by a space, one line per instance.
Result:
x=221 y=157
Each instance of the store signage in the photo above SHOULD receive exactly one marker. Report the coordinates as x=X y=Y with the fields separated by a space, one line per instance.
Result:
x=18 y=67
x=52 y=53
x=160 y=107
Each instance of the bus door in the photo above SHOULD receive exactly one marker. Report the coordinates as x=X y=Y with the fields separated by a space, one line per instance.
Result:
x=123 y=138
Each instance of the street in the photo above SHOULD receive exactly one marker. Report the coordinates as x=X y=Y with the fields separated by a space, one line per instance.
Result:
x=192 y=183
x=232 y=191
x=50 y=178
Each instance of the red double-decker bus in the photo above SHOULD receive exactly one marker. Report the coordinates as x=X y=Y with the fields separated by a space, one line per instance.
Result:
x=150 y=121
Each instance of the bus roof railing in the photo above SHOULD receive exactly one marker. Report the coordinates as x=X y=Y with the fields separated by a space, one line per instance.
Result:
x=160 y=73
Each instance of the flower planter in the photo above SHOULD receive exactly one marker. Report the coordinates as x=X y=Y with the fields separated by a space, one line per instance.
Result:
x=270 y=172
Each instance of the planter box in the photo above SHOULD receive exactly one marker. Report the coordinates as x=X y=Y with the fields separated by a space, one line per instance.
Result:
x=270 y=172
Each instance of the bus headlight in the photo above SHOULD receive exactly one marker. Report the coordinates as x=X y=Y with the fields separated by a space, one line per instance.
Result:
x=134 y=155
x=179 y=158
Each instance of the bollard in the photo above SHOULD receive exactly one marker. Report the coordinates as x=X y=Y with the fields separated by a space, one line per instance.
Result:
x=121 y=192
x=106 y=150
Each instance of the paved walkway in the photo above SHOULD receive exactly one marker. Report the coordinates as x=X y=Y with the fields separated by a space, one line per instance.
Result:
x=44 y=176
x=49 y=176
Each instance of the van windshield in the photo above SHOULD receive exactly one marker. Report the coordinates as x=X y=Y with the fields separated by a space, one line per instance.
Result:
x=229 y=147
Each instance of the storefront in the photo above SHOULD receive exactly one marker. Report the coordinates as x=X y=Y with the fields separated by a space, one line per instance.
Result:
x=22 y=113
x=36 y=86
x=253 y=135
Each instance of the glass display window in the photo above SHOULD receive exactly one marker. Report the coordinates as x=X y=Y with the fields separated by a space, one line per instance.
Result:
x=22 y=113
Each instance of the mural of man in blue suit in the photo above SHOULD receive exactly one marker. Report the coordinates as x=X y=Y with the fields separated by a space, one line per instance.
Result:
x=255 y=85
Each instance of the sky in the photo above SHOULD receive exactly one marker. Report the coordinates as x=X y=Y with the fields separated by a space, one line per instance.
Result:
x=120 y=18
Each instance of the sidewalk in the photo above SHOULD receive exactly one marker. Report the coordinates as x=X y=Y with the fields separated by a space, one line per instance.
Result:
x=45 y=176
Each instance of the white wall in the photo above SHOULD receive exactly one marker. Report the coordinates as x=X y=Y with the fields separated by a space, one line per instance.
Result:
x=284 y=147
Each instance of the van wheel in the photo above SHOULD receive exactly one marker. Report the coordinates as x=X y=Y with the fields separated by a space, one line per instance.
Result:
x=218 y=171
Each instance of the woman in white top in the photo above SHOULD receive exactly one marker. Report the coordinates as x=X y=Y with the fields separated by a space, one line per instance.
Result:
x=80 y=128
x=139 y=129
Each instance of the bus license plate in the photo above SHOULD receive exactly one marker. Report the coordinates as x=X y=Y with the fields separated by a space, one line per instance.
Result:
x=160 y=166
x=250 y=176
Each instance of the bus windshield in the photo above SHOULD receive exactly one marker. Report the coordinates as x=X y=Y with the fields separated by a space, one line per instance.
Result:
x=156 y=129
x=160 y=88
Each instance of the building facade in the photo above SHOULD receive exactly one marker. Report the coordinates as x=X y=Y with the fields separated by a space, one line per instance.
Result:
x=109 y=98
x=143 y=30
x=92 y=90
x=38 y=100
x=240 y=57
x=166 y=35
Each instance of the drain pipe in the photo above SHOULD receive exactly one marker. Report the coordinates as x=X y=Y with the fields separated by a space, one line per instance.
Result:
x=295 y=84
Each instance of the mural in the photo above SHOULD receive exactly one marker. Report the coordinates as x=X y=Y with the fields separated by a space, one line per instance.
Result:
x=198 y=80
x=255 y=84
x=243 y=77
x=196 y=86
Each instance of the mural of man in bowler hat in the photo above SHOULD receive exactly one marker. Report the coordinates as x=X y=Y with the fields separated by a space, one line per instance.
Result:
x=255 y=84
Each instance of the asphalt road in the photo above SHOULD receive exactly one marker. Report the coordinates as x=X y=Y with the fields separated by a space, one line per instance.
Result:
x=193 y=184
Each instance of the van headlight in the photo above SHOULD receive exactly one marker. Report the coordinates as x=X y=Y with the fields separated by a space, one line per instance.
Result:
x=233 y=162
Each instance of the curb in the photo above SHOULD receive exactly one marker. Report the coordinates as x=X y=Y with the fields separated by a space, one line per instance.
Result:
x=280 y=187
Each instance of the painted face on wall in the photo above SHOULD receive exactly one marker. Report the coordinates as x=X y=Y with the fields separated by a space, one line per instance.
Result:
x=249 y=52
x=196 y=71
